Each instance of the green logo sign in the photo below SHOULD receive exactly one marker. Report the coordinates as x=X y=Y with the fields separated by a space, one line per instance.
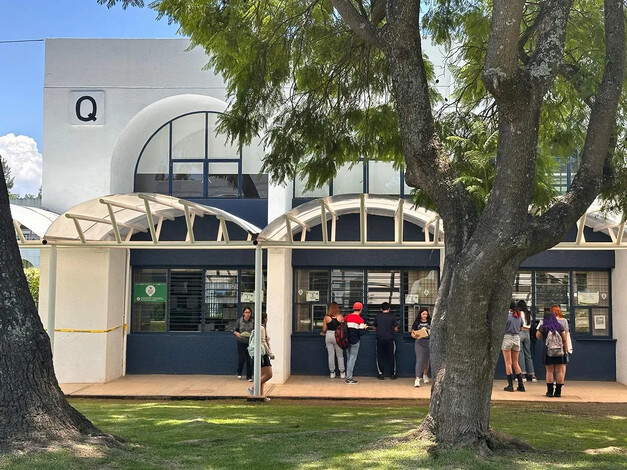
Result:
x=150 y=292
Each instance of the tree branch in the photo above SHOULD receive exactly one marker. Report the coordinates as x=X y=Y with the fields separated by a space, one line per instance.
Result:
x=358 y=23
x=599 y=141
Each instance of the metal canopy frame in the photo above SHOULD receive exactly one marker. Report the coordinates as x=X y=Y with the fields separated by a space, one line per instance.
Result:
x=111 y=221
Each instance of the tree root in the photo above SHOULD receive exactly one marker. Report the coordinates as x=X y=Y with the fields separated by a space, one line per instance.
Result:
x=76 y=444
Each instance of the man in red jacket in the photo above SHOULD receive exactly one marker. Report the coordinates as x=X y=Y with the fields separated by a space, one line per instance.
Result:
x=356 y=327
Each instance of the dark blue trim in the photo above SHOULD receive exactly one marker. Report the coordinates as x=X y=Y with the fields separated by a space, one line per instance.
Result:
x=371 y=259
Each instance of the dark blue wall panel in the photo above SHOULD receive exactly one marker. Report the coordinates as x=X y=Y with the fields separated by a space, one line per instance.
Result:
x=204 y=258
x=570 y=259
x=592 y=359
x=373 y=259
x=309 y=356
x=213 y=353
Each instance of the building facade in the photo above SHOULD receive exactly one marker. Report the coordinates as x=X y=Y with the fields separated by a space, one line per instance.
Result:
x=138 y=117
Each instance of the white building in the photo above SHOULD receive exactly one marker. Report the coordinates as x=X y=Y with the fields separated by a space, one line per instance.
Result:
x=129 y=117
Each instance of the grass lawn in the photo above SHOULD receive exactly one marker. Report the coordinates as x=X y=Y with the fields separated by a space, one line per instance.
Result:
x=323 y=434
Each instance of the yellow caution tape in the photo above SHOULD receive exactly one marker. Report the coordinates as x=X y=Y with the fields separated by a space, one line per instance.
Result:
x=70 y=330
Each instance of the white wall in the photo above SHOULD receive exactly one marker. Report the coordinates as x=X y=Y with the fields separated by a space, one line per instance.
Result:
x=89 y=297
x=128 y=75
x=619 y=314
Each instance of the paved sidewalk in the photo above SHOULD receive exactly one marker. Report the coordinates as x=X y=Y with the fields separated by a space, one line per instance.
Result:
x=318 y=387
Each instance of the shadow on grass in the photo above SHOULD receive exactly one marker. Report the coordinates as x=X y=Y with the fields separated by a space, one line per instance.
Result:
x=285 y=435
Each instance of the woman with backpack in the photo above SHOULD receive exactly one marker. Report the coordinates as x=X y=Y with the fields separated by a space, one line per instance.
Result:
x=330 y=323
x=552 y=333
x=564 y=322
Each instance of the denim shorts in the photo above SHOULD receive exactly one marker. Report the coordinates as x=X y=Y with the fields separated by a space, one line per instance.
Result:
x=511 y=342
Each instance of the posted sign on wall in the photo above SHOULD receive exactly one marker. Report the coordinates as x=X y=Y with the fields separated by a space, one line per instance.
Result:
x=150 y=292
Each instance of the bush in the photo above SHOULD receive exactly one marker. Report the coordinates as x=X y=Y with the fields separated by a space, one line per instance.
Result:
x=32 y=276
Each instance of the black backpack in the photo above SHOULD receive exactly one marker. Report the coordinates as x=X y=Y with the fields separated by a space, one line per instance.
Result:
x=341 y=335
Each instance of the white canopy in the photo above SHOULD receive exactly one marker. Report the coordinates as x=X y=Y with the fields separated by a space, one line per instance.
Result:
x=117 y=217
x=35 y=219
x=281 y=231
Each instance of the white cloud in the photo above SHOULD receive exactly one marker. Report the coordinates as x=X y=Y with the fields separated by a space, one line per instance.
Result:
x=22 y=156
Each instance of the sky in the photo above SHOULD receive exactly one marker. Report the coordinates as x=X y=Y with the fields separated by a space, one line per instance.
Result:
x=22 y=67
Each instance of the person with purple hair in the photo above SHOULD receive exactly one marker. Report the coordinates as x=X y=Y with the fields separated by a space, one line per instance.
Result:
x=555 y=364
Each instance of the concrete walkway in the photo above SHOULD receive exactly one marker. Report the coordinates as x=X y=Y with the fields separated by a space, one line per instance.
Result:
x=317 y=387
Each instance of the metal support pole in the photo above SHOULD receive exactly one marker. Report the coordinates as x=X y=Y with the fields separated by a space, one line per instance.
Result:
x=52 y=294
x=258 y=286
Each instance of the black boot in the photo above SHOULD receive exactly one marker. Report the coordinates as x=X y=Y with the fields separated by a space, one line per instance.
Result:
x=558 y=390
x=521 y=387
x=549 y=390
x=510 y=383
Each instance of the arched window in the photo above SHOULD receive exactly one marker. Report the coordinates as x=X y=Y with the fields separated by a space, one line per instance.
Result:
x=186 y=158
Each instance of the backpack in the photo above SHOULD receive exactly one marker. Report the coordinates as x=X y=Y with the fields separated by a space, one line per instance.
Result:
x=341 y=335
x=251 y=345
x=554 y=344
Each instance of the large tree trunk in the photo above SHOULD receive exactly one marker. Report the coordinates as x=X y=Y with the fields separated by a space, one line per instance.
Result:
x=33 y=410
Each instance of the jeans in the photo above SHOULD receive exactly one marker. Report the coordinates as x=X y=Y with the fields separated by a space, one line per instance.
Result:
x=351 y=353
x=525 y=360
x=386 y=357
x=244 y=359
x=333 y=350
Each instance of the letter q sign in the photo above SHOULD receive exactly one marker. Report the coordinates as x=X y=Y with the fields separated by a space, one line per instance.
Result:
x=87 y=108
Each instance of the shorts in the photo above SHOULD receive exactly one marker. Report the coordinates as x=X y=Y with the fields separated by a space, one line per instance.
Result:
x=265 y=361
x=511 y=342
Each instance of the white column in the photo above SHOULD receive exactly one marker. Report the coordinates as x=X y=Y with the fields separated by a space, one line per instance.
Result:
x=619 y=314
x=279 y=308
x=90 y=291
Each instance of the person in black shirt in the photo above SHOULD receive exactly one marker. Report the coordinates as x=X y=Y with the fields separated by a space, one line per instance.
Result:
x=386 y=325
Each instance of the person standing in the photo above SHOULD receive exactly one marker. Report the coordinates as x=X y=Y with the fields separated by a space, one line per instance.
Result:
x=244 y=326
x=266 y=356
x=420 y=331
x=330 y=322
x=555 y=359
x=386 y=325
x=525 y=359
x=511 y=348
x=557 y=311
x=356 y=327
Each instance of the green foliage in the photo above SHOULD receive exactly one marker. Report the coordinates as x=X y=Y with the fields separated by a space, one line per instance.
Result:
x=287 y=434
x=32 y=276
x=295 y=72
x=6 y=170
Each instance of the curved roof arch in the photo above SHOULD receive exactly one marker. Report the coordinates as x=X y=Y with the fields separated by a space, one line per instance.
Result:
x=321 y=211
x=116 y=218
x=35 y=219
x=144 y=124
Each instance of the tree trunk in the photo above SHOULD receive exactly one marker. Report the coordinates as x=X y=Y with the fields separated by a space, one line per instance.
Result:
x=467 y=332
x=33 y=410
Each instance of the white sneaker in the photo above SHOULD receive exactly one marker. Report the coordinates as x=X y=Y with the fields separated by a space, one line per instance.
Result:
x=239 y=376
x=417 y=382
x=266 y=399
x=425 y=379
x=332 y=375
x=342 y=375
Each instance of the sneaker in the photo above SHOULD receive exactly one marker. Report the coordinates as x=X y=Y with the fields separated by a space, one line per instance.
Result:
x=342 y=375
x=266 y=399
x=250 y=379
x=425 y=378
x=351 y=381
x=393 y=377
x=380 y=376
x=533 y=378
x=332 y=375
x=251 y=391
x=417 y=382
x=239 y=376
